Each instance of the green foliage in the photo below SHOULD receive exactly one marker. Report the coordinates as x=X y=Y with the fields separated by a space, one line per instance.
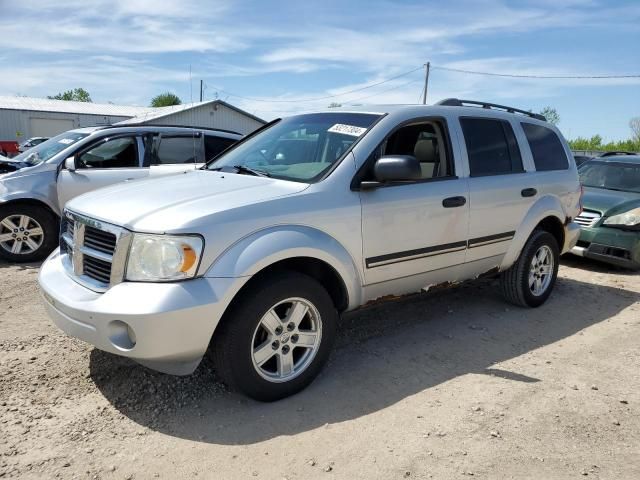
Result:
x=165 y=100
x=551 y=114
x=595 y=143
x=75 y=95
x=334 y=105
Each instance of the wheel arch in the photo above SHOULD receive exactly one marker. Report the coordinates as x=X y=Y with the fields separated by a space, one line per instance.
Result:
x=32 y=201
x=297 y=248
x=547 y=214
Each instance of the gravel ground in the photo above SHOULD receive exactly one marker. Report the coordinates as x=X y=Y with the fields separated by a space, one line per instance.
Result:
x=452 y=384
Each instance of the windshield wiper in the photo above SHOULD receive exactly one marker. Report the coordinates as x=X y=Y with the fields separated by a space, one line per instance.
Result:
x=251 y=171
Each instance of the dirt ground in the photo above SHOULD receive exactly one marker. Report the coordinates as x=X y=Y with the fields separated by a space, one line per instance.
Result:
x=452 y=384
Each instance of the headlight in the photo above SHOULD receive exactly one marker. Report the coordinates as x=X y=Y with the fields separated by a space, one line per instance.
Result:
x=626 y=219
x=163 y=258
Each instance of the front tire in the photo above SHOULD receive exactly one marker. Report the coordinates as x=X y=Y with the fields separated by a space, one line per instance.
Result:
x=276 y=337
x=28 y=233
x=529 y=281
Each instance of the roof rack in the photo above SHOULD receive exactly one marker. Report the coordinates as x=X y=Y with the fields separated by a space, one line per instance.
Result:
x=616 y=153
x=455 y=102
x=151 y=125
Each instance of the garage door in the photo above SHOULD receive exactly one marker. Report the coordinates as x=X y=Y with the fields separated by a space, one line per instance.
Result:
x=48 y=127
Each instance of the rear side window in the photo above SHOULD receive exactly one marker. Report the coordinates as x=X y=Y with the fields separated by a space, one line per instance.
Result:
x=179 y=149
x=491 y=147
x=213 y=146
x=546 y=148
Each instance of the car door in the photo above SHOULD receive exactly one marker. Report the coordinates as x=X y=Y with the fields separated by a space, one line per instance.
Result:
x=172 y=153
x=110 y=160
x=501 y=191
x=418 y=226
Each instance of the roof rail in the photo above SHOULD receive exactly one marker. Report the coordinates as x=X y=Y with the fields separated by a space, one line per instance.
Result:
x=455 y=102
x=151 y=125
x=616 y=153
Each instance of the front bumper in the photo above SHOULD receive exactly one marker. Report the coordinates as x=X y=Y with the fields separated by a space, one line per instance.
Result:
x=164 y=326
x=611 y=245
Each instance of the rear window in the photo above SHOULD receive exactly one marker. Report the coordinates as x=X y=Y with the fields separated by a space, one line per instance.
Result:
x=546 y=148
x=491 y=147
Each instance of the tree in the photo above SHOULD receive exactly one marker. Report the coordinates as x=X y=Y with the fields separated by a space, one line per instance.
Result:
x=551 y=114
x=75 y=95
x=165 y=100
x=335 y=105
x=634 y=125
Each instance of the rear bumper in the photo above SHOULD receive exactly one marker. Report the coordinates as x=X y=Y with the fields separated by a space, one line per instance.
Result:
x=165 y=326
x=611 y=245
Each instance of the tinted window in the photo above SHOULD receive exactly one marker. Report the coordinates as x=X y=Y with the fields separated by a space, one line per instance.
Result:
x=116 y=153
x=171 y=150
x=546 y=148
x=491 y=147
x=215 y=145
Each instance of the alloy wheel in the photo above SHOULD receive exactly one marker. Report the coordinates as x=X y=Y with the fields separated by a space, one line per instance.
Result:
x=20 y=234
x=541 y=270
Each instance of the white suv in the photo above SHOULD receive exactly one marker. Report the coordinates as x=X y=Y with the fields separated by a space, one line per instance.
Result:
x=254 y=257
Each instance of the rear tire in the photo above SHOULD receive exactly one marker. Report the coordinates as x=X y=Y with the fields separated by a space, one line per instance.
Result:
x=28 y=233
x=276 y=337
x=529 y=281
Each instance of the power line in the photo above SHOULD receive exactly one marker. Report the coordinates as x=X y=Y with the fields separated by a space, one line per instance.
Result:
x=298 y=100
x=383 y=91
x=513 y=75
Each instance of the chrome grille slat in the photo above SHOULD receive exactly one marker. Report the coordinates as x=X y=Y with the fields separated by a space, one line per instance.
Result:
x=588 y=218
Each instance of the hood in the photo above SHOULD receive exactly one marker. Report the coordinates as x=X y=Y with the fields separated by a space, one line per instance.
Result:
x=178 y=201
x=7 y=165
x=609 y=202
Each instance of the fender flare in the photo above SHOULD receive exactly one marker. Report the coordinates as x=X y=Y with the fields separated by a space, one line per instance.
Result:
x=263 y=248
x=546 y=206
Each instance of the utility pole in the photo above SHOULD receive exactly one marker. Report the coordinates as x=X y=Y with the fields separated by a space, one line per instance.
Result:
x=201 y=89
x=426 y=83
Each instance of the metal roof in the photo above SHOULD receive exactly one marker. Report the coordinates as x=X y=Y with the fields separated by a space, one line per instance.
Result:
x=63 y=106
x=160 y=112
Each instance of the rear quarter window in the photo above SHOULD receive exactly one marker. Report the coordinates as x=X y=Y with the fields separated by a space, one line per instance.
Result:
x=546 y=148
x=492 y=148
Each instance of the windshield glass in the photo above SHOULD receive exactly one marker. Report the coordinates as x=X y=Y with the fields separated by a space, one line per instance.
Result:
x=45 y=150
x=611 y=175
x=300 y=148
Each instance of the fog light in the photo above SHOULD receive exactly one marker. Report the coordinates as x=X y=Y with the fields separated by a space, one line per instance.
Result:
x=122 y=335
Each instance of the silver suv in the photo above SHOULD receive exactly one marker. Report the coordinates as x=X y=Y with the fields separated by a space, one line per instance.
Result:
x=254 y=257
x=35 y=186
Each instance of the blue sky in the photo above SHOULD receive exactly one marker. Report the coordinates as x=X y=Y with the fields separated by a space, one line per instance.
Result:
x=275 y=53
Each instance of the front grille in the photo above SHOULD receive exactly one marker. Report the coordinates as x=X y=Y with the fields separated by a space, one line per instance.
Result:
x=93 y=251
x=100 y=240
x=588 y=218
x=97 y=269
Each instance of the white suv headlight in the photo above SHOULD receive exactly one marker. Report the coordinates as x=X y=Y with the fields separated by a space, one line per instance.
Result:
x=627 y=219
x=163 y=258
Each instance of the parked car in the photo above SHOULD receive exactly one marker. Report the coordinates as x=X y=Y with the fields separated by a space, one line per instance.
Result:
x=313 y=215
x=580 y=159
x=610 y=221
x=35 y=185
x=32 y=142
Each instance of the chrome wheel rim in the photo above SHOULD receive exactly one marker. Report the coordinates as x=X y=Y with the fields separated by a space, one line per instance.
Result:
x=20 y=234
x=286 y=340
x=541 y=270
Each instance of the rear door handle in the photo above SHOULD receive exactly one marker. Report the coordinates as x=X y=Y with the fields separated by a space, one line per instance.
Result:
x=529 y=192
x=453 y=202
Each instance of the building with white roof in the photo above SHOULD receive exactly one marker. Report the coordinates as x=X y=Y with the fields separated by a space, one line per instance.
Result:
x=24 y=117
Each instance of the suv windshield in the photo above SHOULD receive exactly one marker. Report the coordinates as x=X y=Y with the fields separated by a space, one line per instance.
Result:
x=611 y=175
x=45 y=150
x=300 y=148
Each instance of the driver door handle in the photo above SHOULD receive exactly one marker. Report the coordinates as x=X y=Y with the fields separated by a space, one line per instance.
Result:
x=453 y=202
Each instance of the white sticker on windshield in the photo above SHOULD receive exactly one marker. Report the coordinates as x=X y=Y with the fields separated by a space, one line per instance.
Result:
x=66 y=141
x=347 y=129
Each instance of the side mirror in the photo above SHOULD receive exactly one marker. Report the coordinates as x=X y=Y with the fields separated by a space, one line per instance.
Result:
x=70 y=164
x=394 y=168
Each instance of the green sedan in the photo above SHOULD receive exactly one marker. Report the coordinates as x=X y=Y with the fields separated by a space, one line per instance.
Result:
x=610 y=220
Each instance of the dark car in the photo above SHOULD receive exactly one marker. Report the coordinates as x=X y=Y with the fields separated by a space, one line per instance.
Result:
x=610 y=220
